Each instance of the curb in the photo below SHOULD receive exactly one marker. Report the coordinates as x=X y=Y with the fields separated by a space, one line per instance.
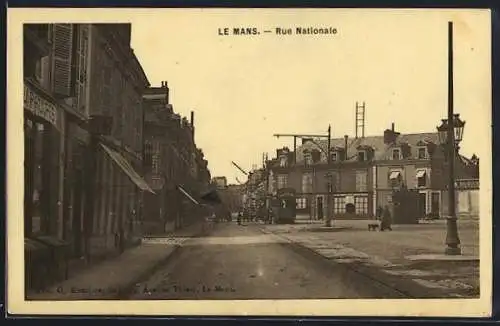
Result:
x=408 y=288
x=127 y=290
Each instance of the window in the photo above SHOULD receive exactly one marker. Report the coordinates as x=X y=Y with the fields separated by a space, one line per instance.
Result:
x=361 y=181
x=395 y=178
x=148 y=153
x=301 y=203
x=282 y=181
x=396 y=154
x=155 y=158
x=422 y=153
x=361 y=205
x=361 y=156
x=283 y=161
x=37 y=176
x=81 y=72
x=421 y=178
x=62 y=59
x=307 y=180
x=307 y=159
x=338 y=205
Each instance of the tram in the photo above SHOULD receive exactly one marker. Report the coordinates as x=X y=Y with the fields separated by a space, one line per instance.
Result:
x=284 y=206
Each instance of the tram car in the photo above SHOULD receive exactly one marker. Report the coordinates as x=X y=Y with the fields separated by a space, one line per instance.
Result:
x=284 y=206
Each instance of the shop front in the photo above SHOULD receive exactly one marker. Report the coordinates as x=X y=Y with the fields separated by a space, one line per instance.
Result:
x=43 y=190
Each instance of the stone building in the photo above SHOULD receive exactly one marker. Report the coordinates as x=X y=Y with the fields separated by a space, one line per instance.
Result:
x=174 y=166
x=96 y=159
x=109 y=86
x=50 y=126
x=364 y=172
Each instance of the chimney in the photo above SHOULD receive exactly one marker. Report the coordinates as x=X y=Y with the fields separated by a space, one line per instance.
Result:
x=344 y=152
x=390 y=135
x=192 y=124
x=305 y=140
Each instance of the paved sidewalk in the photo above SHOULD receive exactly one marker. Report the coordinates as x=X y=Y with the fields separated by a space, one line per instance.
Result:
x=107 y=280
x=390 y=251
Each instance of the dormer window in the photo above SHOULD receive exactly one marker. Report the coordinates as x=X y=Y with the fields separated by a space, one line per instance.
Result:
x=307 y=158
x=396 y=154
x=361 y=156
x=422 y=153
x=283 y=162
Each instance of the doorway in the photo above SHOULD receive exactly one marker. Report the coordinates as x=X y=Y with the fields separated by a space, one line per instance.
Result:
x=320 y=207
x=77 y=213
x=435 y=204
x=422 y=204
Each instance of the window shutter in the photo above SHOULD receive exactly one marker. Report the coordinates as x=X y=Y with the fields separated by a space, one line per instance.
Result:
x=62 y=55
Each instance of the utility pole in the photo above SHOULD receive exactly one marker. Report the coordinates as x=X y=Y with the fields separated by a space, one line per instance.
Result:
x=268 y=197
x=329 y=182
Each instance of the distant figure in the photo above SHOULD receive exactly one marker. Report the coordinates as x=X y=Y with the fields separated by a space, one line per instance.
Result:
x=380 y=212
x=386 y=219
x=238 y=219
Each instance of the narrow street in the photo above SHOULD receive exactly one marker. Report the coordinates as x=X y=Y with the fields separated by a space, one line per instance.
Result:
x=240 y=262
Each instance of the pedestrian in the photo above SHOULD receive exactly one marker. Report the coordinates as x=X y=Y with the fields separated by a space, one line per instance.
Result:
x=386 y=219
x=239 y=218
x=380 y=212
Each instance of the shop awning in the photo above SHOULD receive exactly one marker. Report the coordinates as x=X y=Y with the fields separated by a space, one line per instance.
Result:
x=420 y=173
x=394 y=175
x=128 y=169
x=185 y=193
x=212 y=197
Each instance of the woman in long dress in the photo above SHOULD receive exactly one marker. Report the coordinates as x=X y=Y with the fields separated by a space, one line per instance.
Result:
x=386 y=219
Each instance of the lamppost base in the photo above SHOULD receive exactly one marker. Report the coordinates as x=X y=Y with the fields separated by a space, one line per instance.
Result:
x=453 y=251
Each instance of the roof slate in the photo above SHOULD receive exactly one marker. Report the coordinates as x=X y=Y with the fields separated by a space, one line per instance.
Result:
x=381 y=150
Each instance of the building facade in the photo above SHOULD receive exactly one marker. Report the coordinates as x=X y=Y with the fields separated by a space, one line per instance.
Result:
x=95 y=159
x=174 y=166
x=220 y=182
x=49 y=128
x=109 y=83
x=363 y=173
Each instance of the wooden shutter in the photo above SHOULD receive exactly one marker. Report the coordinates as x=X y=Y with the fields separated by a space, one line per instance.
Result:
x=62 y=58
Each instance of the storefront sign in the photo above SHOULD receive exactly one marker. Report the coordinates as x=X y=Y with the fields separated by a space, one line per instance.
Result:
x=39 y=106
x=467 y=184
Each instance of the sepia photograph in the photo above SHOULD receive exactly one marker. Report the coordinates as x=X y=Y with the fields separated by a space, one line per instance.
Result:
x=249 y=162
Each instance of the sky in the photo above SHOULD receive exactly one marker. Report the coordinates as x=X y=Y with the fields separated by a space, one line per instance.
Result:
x=244 y=89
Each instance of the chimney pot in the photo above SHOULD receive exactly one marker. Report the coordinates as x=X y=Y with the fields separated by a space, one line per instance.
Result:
x=392 y=126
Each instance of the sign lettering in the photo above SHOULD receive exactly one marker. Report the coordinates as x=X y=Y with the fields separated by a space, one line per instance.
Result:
x=39 y=106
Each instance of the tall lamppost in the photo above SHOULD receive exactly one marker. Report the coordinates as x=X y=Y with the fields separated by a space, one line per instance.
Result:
x=329 y=189
x=450 y=134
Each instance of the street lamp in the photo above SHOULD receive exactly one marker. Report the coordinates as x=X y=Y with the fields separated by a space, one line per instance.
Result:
x=329 y=184
x=450 y=134
x=458 y=130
